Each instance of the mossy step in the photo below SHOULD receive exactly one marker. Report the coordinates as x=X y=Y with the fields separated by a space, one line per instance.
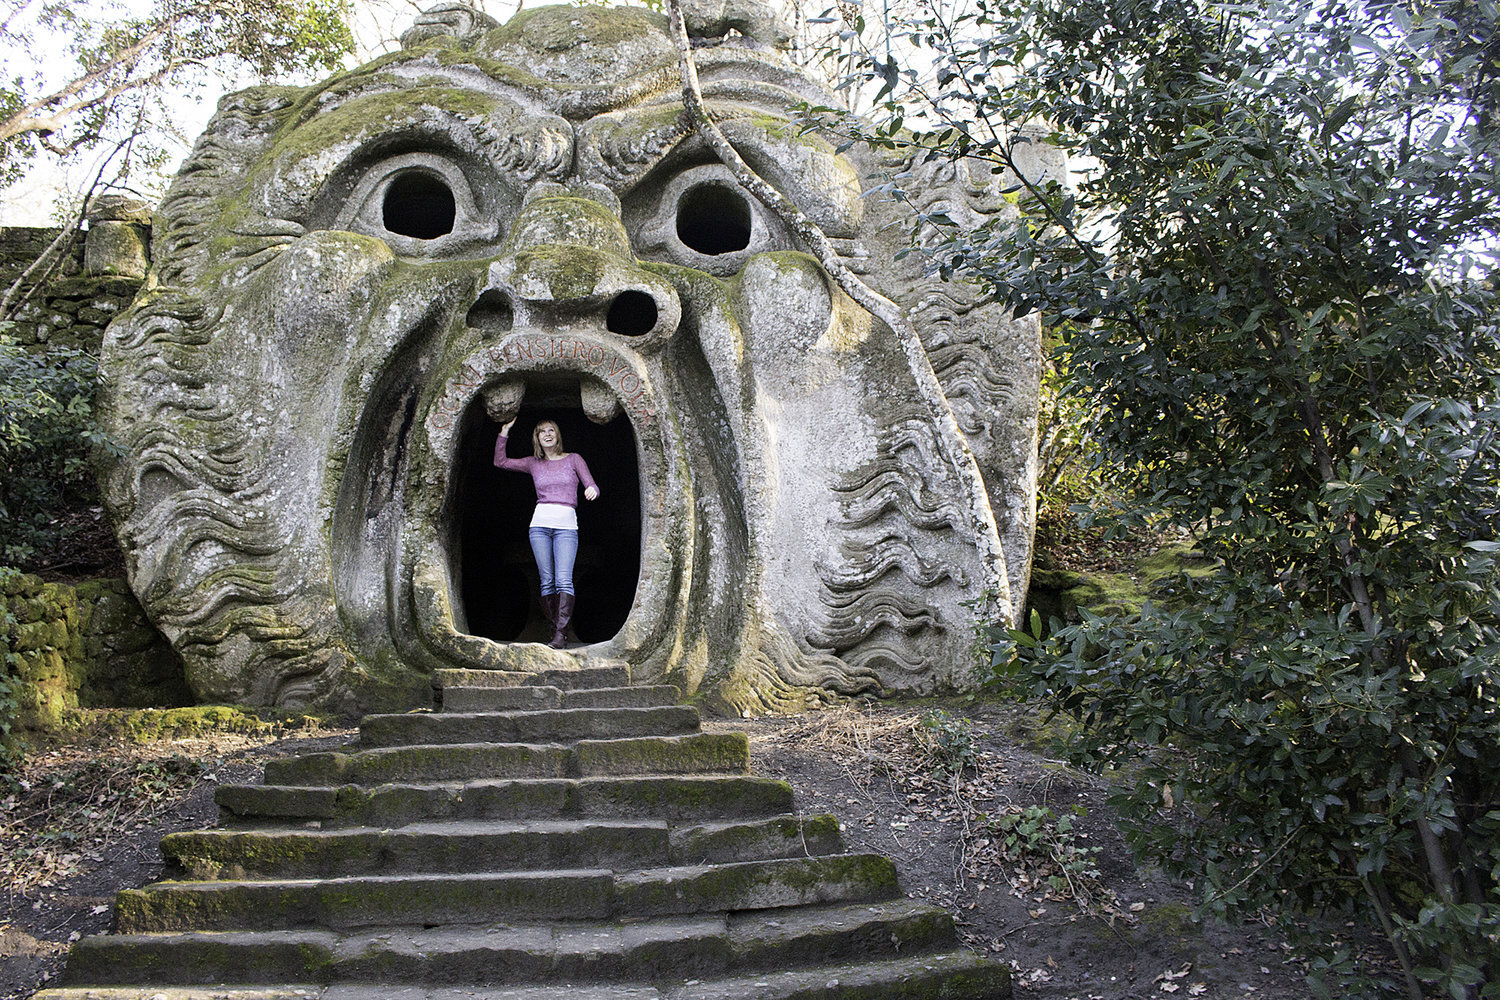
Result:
x=569 y=680
x=757 y=840
x=960 y=975
x=347 y=903
x=548 y=725
x=756 y=885
x=693 y=753
x=296 y=991
x=491 y=699
x=434 y=899
x=534 y=845
x=497 y=845
x=950 y=976
x=354 y=991
x=699 y=797
x=678 y=947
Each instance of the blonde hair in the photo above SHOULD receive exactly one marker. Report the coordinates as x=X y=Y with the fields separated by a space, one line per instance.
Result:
x=536 y=438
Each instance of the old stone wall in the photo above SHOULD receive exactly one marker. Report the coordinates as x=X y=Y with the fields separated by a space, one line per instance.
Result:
x=70 y=300
x=87 y=645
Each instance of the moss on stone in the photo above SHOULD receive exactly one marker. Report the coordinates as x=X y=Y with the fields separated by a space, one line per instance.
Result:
x=84 y=646
x=571 y=272
x=557 y=29
x=1061 y=594
x=153 y=724
x=1170 y=920
x=574 y=222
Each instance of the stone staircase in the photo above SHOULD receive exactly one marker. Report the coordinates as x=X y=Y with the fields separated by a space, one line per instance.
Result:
x=552 y=836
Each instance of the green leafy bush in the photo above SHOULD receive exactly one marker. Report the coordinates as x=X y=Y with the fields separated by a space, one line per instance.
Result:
x=46 y=433
x=1273 y=267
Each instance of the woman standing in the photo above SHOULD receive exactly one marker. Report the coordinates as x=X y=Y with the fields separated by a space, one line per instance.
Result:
x=554 y=525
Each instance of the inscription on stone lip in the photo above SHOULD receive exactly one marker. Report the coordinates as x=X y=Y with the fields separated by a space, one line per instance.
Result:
x=530 y=352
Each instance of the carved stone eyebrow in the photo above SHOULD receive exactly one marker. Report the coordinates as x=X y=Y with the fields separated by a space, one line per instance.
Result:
x=621 y=149
x=318 y=163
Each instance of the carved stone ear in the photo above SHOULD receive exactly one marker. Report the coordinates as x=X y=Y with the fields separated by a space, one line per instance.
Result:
x=713 y=19
x=453 y=19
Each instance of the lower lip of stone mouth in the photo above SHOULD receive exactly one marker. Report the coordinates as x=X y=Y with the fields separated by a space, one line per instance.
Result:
x=487 y=512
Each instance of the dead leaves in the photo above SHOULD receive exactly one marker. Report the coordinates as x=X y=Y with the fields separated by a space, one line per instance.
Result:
x=68 y=806
x=1170 y=981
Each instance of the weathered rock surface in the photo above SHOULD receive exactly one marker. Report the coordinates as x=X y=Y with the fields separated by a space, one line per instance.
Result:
x=658 y=885
x=353 y=285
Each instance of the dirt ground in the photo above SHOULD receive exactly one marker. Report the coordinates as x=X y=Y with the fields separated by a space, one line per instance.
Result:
x=1022 y=850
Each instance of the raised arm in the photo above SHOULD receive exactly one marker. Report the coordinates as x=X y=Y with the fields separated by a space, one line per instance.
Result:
x=503 y=462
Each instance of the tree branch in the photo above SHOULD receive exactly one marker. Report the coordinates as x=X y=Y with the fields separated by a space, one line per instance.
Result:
x=26 y=119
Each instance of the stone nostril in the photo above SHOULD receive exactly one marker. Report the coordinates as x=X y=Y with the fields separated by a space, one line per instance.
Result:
x=631 y=314
x=491 y=313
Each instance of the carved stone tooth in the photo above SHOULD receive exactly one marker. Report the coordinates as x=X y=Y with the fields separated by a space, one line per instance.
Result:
x=502 y=399
x=599 y=404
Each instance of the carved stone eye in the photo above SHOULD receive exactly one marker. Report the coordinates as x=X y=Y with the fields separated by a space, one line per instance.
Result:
x=420 y=205
x=713 y=219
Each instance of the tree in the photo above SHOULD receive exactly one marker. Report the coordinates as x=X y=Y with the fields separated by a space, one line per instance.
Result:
x=1272 y=276
x=121 y=64
x=115 y=90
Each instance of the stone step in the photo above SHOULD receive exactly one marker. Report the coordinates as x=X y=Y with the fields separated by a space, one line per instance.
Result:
x=673 y=797
x=567 y=679
x=546 y=726
x=497 y=699
x=756 y=885
x=694 y=753
x=427 y=848
x=222 y=854
x=958 y=975
x=777 y=837
x=434 y=899
x=680 y=947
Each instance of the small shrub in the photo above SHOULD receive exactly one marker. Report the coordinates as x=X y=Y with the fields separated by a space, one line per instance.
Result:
x=47 y=430
x=1046 y=847
x=948 y=741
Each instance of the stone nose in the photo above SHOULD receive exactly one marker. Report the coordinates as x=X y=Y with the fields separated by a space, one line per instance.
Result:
x=567 y=263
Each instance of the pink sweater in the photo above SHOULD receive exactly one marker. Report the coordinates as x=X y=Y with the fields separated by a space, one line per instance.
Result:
x=555 y=482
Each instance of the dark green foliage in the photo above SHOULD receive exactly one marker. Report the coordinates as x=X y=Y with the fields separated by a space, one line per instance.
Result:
x=1272 y=277
x=10 y=705
x=46 y=431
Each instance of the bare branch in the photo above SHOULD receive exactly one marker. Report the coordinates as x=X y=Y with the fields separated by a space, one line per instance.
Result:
x=27 y=120
x=31 y=278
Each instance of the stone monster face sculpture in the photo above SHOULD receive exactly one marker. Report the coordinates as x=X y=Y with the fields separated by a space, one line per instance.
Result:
x=355 y=284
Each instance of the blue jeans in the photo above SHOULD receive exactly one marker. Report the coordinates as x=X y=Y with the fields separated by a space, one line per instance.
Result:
x=555 y=549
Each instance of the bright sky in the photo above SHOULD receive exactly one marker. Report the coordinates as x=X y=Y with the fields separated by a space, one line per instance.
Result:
x=34 y=200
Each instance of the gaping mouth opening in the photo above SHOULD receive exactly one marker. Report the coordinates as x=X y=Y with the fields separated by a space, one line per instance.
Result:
x=495 y=576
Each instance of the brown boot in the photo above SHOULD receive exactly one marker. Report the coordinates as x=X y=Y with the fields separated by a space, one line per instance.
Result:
x=560 y=623
x=549 y=611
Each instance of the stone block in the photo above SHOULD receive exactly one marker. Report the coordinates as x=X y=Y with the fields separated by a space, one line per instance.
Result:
x=33 y=636
x=116 y=248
